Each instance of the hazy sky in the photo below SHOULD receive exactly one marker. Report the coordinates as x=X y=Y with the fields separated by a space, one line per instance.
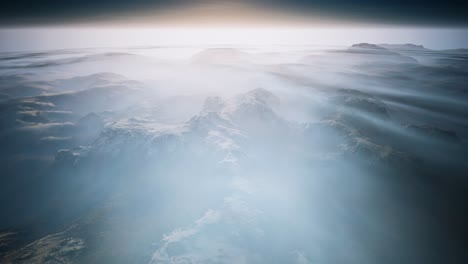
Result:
x=413 y=12
x=52 y=24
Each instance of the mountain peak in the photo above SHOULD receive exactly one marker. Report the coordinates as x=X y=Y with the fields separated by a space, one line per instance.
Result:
x=404 y=47
x=367 y=46
x=220 y=56
x=259 y=95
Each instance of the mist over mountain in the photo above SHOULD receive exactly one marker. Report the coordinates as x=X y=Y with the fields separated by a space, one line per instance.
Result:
x=234 y=154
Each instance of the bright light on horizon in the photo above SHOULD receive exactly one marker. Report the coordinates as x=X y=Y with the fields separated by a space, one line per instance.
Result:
x=47 y=38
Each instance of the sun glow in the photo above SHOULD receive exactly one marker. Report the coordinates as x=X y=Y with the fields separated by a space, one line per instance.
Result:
x=83 y=37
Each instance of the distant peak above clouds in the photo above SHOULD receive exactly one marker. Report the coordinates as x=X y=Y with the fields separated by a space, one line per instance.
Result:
x=404 y=47
x=367 y=46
